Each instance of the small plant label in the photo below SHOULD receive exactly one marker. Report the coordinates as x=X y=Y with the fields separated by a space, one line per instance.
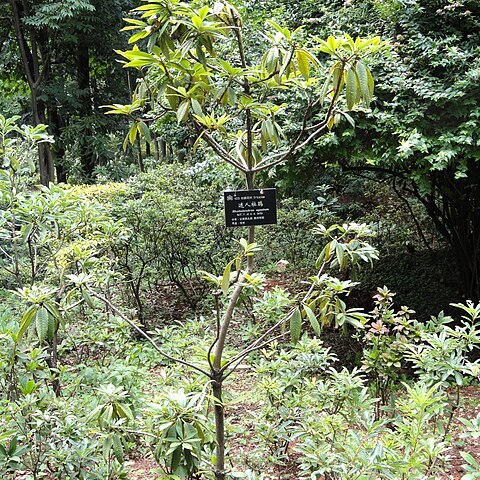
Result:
x=250 y=207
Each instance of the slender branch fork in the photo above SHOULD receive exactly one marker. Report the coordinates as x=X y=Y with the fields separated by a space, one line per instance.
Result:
x=261 y=341
x=277 y=158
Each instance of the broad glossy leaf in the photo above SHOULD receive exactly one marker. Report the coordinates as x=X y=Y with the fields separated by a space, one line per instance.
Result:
x=42 y=319
x=88 y=299
x=182 y=111
x=351 y=88
x=26 y=320
x=132 y=133
x=313 y=320
x=226 y=278
x=362 y=75
x=145 y=131
x=303 y=65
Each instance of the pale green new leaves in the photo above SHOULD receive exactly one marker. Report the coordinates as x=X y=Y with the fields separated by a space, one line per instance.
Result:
x=187 y=77
x=347 y=246
x=223 y=282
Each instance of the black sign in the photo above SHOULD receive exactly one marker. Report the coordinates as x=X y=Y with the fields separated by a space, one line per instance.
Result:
x=250 y=207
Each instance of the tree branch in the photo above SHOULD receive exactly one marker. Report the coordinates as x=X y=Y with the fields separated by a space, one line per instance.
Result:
x=218 y=148
x=144 y=334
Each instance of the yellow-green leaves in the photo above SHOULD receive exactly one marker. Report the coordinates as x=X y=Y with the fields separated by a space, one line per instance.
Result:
x=26 y=320
x=118 y=109
x=138 y=59
x=182 y=111
x=302 y=61
x=138 y=128
x=211 y=122
x=347 y=246
x=232 y=271
x=344 y=46
x=329 y=46
x=338 y=78
x=349 y=71
x=225 y=283
x=281 y=32
x=188 y=78
x=249 y=249
x=196 y=107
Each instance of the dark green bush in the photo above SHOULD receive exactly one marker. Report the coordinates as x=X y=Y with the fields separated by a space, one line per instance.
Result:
x=425 y=281
x=175 y=229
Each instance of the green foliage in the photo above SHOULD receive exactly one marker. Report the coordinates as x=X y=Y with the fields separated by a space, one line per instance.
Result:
x=232 y=104
x=273 y=305
x=442 y=354
x=46 y=436
x=283 y=375
x=472 y=467
x=385 y=339
x=335 y=420
x=421 y=133
x=328 y=417
x=175 y=228
x=78 y=34
x=184 y=433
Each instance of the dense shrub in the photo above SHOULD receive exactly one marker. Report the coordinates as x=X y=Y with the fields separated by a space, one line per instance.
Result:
x=424 y=280
x=175 y=228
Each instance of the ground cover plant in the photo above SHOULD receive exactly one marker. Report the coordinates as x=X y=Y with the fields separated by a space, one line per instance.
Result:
x=82 y=396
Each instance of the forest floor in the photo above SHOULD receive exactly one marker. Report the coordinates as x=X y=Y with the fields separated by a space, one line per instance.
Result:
x=245 y=408
x=243 y=414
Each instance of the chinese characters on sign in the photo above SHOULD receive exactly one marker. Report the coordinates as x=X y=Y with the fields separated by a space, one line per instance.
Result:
x=250 y=207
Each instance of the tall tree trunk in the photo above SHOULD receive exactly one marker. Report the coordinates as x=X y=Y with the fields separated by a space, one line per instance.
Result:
x=463 y=215
x=156 y=150
x=57 y=124
x=162 y=145
x=36 y=67
x=219 y=413
x=45 y=159
x=454 y=207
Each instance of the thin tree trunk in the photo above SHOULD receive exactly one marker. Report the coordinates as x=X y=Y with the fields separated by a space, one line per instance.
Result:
x=58 y=151
x=219 y=430
x=36 y=68
x=162 y=149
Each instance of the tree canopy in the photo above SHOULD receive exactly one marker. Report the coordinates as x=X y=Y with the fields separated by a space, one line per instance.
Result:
x=61 y=54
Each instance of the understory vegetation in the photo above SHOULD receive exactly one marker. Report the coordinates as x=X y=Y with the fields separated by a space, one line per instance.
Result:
x=83 y=268
x=141 y=338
